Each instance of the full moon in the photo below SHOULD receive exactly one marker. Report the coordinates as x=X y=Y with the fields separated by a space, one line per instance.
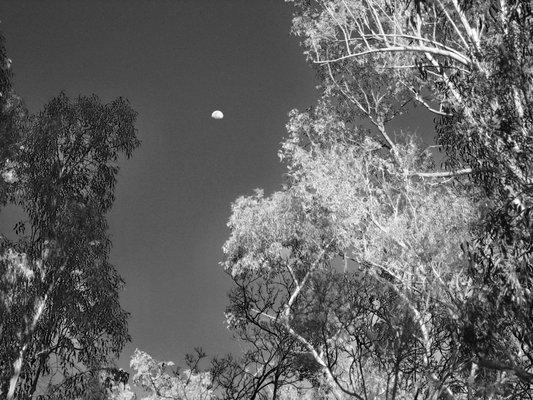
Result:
x=217 y=114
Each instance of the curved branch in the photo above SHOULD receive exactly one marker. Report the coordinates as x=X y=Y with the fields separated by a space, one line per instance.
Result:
x=417 y=49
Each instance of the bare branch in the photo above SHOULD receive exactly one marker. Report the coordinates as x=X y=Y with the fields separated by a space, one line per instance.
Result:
x=417 y=49
x=443 y=174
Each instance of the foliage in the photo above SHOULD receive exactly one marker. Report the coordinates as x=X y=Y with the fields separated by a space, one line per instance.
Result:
x=469 y=64
x=373 y=274
x=11 y=111
x=163 y=381
x=60 y=316
x=392 y=278
x=358 y=262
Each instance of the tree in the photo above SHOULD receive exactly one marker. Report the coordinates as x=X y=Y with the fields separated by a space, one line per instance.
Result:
x=454 y=324
x=60 y=315
x=373 y=274
x=358 y=262
x=469 y=64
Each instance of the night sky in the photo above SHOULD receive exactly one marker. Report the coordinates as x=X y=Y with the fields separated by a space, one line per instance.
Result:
x=176 y=61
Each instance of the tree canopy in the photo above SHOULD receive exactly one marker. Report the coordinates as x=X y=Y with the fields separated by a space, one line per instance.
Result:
x=60 y=318
x=375 y=272
x=432 y=264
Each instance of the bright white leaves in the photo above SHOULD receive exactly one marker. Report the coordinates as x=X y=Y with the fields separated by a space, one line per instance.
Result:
x=217 y=114
x=361 y=201
x=8 y=172
x=9 y=176
x=17 y=273
x=17 y=265
x=162 y=381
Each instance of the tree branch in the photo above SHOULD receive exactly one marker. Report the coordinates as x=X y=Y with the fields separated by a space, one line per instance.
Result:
x=442 y=174
x=417 y=49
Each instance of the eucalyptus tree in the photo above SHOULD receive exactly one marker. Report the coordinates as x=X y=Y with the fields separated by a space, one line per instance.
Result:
x=60 y=317
x=437 y=262
x=358 y=260
x=469 y=64
x=373 y=274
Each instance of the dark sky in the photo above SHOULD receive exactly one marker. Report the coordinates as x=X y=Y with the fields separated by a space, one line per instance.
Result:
x=176 y=61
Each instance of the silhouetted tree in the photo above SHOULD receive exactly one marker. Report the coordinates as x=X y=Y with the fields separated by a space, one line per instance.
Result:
x=60 y=316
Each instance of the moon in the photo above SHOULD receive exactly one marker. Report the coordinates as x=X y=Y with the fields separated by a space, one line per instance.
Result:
x=217 y=114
